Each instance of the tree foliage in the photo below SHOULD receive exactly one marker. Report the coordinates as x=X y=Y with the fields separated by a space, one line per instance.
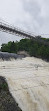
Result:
x=38 y=47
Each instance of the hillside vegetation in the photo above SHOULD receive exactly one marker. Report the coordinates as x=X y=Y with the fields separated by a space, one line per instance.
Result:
x=37 y=47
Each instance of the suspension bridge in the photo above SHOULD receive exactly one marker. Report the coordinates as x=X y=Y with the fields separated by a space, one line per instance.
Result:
x=14 y=30
x=8 y=28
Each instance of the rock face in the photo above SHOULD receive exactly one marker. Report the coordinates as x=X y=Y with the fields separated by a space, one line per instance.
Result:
x=7 y=103
x=28 y=81
x=24 y=53
x=7 y=56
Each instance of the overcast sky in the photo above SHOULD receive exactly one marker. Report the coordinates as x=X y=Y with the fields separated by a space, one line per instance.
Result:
x=29 y=15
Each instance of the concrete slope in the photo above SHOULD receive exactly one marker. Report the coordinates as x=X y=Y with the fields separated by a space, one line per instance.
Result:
x=28 y=81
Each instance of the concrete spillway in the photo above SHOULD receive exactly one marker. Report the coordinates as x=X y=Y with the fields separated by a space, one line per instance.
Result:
x=28 y=81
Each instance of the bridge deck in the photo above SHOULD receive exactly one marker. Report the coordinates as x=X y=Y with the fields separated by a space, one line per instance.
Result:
x=15 y=31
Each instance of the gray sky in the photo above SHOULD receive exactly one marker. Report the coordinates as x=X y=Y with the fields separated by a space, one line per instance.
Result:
x=29 y=15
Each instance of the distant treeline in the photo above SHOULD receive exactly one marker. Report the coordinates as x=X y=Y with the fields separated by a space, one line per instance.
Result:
x=37 y=47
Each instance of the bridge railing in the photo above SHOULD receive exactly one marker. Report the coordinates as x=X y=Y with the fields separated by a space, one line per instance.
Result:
x=6 y=24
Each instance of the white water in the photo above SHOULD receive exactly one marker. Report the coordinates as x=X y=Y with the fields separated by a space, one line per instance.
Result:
x=28 y=80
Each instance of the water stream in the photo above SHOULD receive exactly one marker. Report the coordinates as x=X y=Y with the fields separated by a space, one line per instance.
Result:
x=28 y=81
